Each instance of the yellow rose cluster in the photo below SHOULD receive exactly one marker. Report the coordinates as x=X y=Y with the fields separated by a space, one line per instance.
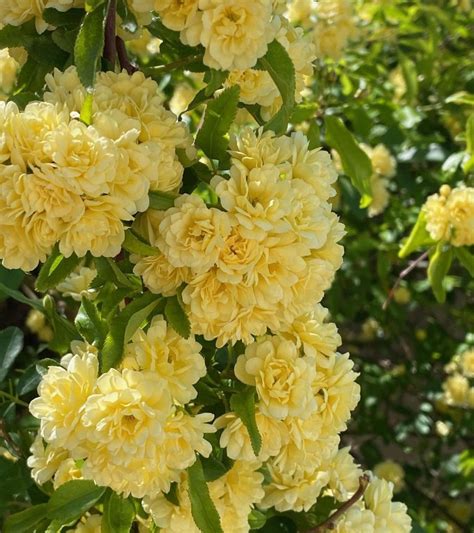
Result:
x=17 y=12
x=66 y=182
x=128 y=429
x=234 y=33
x=458 y=387
x=335 y=26
x=262 y=259
x=450 y=215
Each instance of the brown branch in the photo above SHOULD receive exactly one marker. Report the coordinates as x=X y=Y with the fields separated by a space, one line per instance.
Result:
x=110 y=51
x=124 y=62
x=403 y=274
x=330 y=523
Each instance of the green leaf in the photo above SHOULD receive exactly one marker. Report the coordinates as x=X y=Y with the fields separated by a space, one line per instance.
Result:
x=118 y=515
x=64 y=331
x=468 y=165
x=135 y=245
x=278 y=64
x=203 y=509
x=71 y=17
x=355 y=161
x=220 y=113
x=418 y=237
x=461 y=97
x=161 y=200
x=55 y=269
x=440 y=263
x=11 y=344
x=213 y=469
x=86 y=111
x=214 y=80
x=89 y=323
x=11 y=278
x=465 y=258
x=177 y=317
x=243 y=404
x=124 y=326
x=20 y=297
x=73 y=499
x=410 y=76
x=91 y=5
x=314 y=135
x=108 y=270
x=25 y=521
x=89 y=45
x=128 y=20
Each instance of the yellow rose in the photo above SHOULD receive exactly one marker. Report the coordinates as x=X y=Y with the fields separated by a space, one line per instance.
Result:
x=191 y=234
x=77 y=284
x=344 y=475
x=62 y=395
x=45 y=459
x=159 y=275
x=176 y=14
x=280 y=375
x=174 y=359
x=391 y=471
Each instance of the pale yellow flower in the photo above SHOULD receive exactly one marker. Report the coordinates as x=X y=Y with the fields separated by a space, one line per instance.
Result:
x=159 y=276
x=456 y=390
x=176 y=14
x=99 y=231
x=391 y=471
x=300 y=10
x=77 y=284
x=467 y=363
x=182 y=96
x=344 y=475
x=297 y=491
x=62 y=395
x=45 y=460
x=68 y=470
x=8 y=71
x=235 y=437
x=280 y=375
x=356 y=520
x=337 y=393
x=380 y=196
x=318 y=338
x=460 y=206
x=174 y=359
x=191 y=234
x=235 y=34
x=389 y=516
x=383 y=163
x=256 y=86
x=17 y=12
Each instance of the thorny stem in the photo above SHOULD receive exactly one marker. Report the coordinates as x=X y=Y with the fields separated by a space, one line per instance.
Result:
x=330 y=523
x=404 y=274
x=123 y=57
x=110 y=50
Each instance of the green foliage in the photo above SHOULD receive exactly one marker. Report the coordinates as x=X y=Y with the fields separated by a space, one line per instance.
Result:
x=71 y=500
x=135 y=245
x=243 y=404
x=55 y=269
x=118 y=515
x=202 y=507
x=220 y=113
x=176 y=316
x=440 y=263
x=161 y=200
x=11 y=344
x=25 y=521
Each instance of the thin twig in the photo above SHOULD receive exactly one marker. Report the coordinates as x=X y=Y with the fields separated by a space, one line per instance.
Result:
x=110 y=51
x=330 y=523
x=13 y=398
x=173 y=66
x=124 y=61
x=404 y=274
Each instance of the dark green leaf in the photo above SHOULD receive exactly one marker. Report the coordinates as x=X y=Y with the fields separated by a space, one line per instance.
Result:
x=55 y=269
x=243 y=404
x=135 y=245
x=203 y=509
x=11 y=278
x=440 y=263
x=71 y=17
x=418 y=237
x=73 y=499
x=109 y=270
x=124 y=326
x=64 y=331
x=176 y=316
x=89 y=323
x=278 y=64
x=161 y=200
x=466 y=259
x=118 y=514
x=89 y=45
x=20 y=297
x=355 y=161
x=11 y=344
x=219 y=115
x=25 y=521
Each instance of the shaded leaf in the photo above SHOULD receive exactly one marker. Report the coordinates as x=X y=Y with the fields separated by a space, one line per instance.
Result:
x=243 y=403
x=176 y=316
x=73 y=499
x=11 y=344
x=55 y=269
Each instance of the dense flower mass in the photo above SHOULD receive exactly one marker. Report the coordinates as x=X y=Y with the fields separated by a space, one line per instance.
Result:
x=450 y=215
x=76 y=185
